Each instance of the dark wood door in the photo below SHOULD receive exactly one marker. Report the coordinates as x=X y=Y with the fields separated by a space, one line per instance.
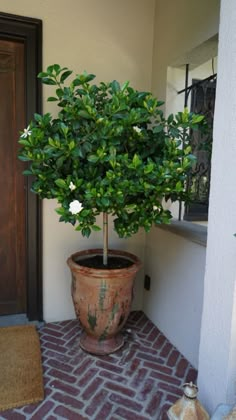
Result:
x=12 y=188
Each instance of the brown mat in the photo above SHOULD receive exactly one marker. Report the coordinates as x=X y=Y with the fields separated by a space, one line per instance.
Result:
x=21 y=378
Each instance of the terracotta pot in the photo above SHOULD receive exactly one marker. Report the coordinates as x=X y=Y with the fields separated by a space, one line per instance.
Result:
x=102 y=299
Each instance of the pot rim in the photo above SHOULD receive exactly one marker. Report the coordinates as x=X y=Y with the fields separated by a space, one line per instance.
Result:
x=98 y=251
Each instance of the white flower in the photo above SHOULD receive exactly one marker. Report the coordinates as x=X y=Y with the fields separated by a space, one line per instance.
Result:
x=137 y=129
x=27 y=132
x=155 y=208
x=72 y=186
x=75 y=207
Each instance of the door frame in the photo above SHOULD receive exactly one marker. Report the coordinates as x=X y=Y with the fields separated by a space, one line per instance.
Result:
x=29 y=30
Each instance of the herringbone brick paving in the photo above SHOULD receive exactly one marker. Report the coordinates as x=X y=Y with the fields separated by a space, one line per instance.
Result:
x=139 y=382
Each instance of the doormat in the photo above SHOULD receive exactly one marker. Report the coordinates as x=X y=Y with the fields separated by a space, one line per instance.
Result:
x=21 y=375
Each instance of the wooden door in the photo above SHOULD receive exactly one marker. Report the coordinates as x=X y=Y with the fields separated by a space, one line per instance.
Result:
x=12 y=188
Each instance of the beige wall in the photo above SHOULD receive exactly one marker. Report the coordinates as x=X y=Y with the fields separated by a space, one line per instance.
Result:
x=109 y=38
x=180 y=26
x=112 y=39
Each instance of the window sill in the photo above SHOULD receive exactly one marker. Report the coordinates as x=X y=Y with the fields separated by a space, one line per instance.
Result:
x=188 y=230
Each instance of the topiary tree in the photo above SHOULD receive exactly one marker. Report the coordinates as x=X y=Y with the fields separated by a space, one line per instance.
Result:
x=109 y=150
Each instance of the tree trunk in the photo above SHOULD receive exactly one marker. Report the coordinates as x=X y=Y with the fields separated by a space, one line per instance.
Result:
x=105 y=238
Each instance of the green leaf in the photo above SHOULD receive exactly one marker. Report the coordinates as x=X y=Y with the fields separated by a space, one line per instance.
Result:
x=96 y=228
x=136 y=161
x=93 y=158
x=38 y=117
x=61 y=183
x=198 y=118
x=115 y=86
x=170 y=118
x=86 y=231
x=105 y=201
x=158 y=128
x=51 y=142
x=71 y=145
x=124 y=86
x=27 y=172
x=65 y=75
x=42 y=74
x=53 y=68
x=179 y=186
x=24 y=158
x=60 y=211
x=149 y=168
x=48 y=81
x=174 y=132
x=60 y=161
x=64 y=129
x=59 y=92
x=85 y=212
x=24 y=142
x=192 y=158
x=76 y=82
x=56 y=68
x=52 y=99
x=85 y=77
x=84 y=114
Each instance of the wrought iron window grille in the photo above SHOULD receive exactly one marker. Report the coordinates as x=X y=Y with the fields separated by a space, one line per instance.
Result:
x=198 y=183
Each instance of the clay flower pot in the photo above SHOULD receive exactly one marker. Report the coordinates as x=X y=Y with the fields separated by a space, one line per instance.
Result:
x=102 y=299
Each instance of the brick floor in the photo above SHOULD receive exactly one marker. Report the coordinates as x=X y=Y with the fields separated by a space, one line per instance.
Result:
x=139 y=382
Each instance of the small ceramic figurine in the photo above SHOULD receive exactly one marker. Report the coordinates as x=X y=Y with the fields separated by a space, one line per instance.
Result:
x=188 y=407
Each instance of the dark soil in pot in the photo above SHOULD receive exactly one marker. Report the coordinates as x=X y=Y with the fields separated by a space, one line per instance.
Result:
x=96 y=261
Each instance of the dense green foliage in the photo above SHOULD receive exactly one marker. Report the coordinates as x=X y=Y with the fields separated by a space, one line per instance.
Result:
x=111 y=148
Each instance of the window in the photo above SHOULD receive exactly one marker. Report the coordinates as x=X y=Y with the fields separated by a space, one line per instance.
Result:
x=202 y=102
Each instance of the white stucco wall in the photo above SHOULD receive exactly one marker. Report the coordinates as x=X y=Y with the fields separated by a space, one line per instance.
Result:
x=176 y=265
x=113 y=40
x=174 y=303
x=217 y=361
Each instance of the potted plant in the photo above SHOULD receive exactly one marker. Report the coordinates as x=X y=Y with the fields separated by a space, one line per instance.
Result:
x=109 y=150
